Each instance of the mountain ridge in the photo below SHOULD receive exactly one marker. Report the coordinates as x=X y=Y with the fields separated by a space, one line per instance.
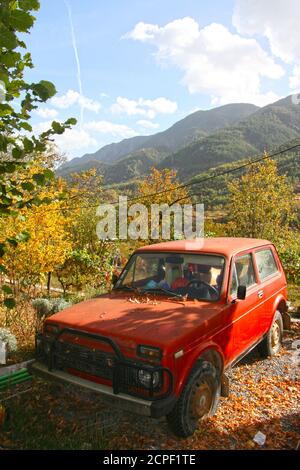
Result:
x=194 y=126
x=259 y=129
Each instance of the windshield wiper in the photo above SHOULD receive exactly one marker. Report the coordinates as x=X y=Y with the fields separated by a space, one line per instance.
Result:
x=165 y=291
x=130 y=288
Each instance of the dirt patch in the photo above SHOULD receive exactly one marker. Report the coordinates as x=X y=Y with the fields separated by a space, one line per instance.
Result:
x=264 y=396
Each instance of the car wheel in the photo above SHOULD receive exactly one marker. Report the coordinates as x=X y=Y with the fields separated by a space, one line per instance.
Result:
x=271 y=344
x=199 y=398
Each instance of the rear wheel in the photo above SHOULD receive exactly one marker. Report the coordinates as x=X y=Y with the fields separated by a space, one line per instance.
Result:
x=271 y=344
x=198 y=399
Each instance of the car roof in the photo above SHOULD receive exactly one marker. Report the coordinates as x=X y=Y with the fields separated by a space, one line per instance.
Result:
x=226 y=246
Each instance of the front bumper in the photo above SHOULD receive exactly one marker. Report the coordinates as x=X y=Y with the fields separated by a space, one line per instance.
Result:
x=154 y=409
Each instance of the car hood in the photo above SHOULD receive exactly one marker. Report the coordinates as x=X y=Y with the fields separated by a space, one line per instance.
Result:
x=131 y=320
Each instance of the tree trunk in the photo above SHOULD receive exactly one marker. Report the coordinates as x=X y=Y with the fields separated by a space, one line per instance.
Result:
x=49 y=283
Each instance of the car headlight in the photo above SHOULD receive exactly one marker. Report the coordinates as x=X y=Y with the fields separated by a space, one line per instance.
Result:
x=145 y=378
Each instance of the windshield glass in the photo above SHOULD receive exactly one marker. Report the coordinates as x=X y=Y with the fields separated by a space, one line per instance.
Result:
x=197 y=276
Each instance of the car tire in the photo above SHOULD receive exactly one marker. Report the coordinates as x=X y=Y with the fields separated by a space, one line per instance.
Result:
x=271 y=344
x=199 y=398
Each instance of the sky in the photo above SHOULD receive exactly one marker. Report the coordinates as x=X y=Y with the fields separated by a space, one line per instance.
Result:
x=135 y=67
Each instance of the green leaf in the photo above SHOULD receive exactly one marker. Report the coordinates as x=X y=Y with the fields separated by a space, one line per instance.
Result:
x=49 y=87
x=5 y=109
x=10 y=58
x=3 y=143
x=13 y=242
x=27 y=186
x=7 y=38
x=39 y=178
x=44 y=89
x=21 y=20
x=7 y=289
x=57 y=127
x=10 y=303
x=23 y=236
x=28 y=145
x=3 y=269
x=2 y=250
x=9 y=167
x=17 y=152
x=26 y=126
x=49 y=174
x=29 y=5
x=71 y=121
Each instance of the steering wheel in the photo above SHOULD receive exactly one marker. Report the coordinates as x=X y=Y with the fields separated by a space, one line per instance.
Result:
x=197 y=282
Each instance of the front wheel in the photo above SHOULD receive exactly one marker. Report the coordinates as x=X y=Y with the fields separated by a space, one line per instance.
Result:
x=271 y=344
x=198 y=399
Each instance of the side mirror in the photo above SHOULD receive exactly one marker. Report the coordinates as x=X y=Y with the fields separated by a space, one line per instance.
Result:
x=114 y=279
x=241 y=292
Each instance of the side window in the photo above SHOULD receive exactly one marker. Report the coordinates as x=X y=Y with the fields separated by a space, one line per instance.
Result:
x=266 y=263
x=243 y=273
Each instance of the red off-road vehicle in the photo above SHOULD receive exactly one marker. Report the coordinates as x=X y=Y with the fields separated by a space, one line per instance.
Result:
x=179 y=315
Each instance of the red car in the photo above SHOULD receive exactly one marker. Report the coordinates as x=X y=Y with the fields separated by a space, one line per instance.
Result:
x=180 y=314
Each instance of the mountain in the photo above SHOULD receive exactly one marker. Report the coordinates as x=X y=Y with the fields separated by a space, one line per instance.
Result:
x=202 y=141
x=193 y=127
x=265 y=129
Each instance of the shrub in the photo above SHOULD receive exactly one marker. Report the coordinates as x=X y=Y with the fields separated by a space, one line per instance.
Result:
x=45 y=307
x=7 y=337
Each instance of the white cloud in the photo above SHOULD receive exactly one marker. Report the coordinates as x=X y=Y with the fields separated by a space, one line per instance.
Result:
x=71 y=141
x=75 y=139
x=214 y=61
x=73 y=97
x=106 y=127
x=277 y=20
x=147 y=124
x=143 y=107
x=295 y=78
x=41 y=127
x=46 y=113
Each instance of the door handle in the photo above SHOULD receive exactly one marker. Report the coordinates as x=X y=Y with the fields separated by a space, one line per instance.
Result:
x=260 y=293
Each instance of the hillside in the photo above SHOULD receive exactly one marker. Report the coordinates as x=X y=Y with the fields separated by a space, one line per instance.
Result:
x=213 y=193
x=266 y=129
x=195 y=126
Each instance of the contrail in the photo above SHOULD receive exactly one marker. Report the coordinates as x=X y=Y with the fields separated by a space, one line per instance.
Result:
x=76 y=58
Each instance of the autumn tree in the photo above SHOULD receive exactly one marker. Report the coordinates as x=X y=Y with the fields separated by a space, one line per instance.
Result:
x=18 y=145
x=88 y=262
x=161 y=188
x=260 y=203
x=47 y=243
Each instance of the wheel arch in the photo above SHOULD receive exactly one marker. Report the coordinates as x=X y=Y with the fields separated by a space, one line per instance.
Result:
x=210 y=353
x=280 y=305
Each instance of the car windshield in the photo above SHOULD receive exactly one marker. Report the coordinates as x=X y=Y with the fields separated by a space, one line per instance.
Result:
x=195 y=276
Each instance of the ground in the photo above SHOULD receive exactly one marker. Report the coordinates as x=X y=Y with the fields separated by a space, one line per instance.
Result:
x=264 y=397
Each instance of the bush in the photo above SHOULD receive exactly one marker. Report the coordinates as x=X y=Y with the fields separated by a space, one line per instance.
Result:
x=290 y=259
x=7 y=337
x=45 y=307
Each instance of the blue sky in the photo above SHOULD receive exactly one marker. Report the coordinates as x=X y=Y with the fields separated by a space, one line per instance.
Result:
x=145 y=64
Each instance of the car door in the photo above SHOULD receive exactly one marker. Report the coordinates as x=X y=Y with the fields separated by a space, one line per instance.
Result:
x=270 y=280
x=244 y=313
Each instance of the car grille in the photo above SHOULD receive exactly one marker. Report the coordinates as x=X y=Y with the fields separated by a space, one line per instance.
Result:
x=123 y=374
x=91 y=361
